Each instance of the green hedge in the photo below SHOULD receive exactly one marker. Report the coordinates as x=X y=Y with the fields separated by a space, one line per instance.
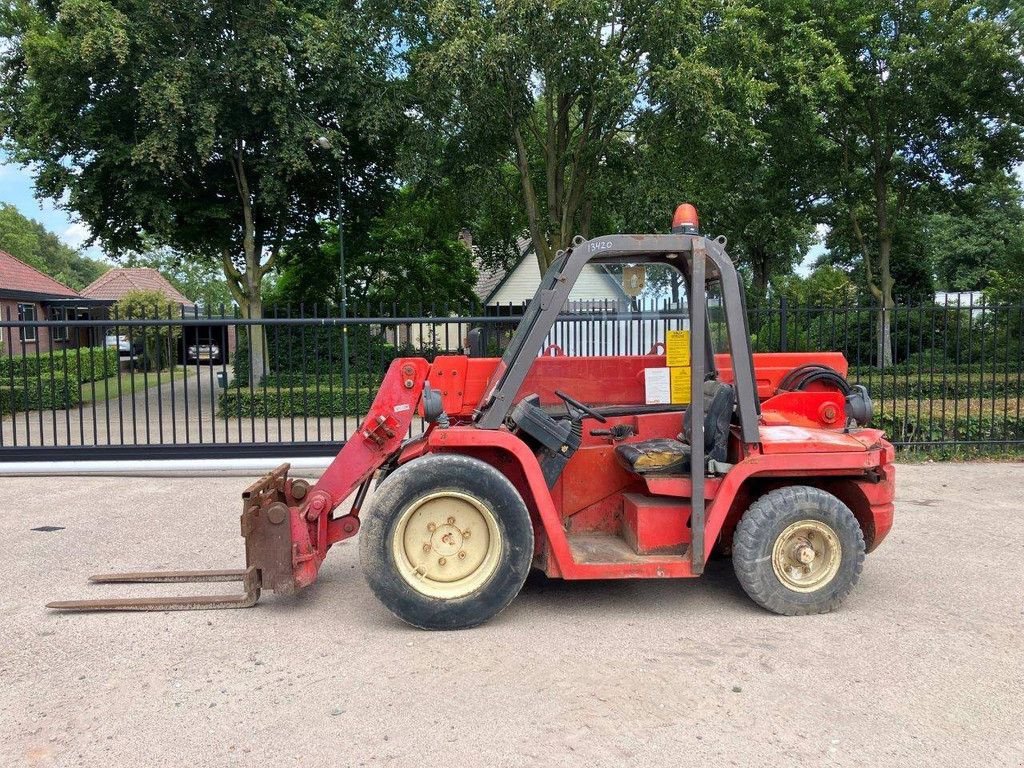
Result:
x=42 y=393
x=81 y=365
x=907 y=428
x=335 y=381
x=241 y=402
x=316 y=350
x=941 y=386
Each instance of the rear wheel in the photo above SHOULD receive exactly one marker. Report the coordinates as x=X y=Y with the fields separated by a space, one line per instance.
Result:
x=798 y=550
x=447 y=542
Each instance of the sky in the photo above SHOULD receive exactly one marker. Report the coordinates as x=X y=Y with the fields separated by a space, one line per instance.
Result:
x=16 y=188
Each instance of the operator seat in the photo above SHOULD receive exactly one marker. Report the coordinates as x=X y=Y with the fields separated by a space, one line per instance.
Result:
x=665 y=456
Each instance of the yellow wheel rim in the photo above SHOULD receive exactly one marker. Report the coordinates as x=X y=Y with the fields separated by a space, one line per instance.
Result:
x=806 y=556
x=447 y=544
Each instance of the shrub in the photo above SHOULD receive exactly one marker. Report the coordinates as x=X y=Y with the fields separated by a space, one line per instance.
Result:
x=160 y=342
x=242 y=402
x=356 y=379
x=942 y=386
x=38 y=394
x=943 y=428
x=317 y=350
x=81 y=365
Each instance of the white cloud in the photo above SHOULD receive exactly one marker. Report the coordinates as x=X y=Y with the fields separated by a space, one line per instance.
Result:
x=76 y=234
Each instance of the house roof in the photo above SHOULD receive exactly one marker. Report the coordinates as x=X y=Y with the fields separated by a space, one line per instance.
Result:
x=487 y=280
x=17 y=277
x=112 y=285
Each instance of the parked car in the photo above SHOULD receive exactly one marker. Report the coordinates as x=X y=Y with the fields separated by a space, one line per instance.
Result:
x=204 y=351
x=124 y=346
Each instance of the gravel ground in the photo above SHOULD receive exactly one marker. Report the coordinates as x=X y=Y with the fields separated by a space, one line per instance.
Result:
x=924 y=665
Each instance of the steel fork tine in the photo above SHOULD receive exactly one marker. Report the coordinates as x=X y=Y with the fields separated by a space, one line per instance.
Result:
x=248 y=576
x=169 y=577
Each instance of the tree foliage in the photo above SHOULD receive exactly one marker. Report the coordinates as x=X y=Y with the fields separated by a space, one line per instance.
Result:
x=29 y=241
x=980 y=242
x=411 y=256
x=744 y=162
x=929 y=105
x=553 y=89
x=193 y=124
x=159 y=342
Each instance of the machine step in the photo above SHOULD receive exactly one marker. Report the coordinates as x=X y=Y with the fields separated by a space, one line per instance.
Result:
x=591 y=548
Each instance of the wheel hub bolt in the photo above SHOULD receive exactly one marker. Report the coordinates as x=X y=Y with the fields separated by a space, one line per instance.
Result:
x=451 y=521
x=805 y=554
x=426 y=547
x=465 y=534
x=462 y=555
x=431 y=527
x=442 y=561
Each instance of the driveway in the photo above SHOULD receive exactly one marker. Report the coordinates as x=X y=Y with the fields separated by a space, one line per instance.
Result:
x=923 y=666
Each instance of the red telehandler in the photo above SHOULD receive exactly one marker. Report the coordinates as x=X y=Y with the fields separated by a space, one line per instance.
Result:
x=559 y=463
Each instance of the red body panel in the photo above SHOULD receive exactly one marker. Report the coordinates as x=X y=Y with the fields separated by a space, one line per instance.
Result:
x=600 y=380
x=801 y=442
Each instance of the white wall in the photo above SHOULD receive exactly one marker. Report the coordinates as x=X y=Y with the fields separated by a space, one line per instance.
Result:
x=520 y=286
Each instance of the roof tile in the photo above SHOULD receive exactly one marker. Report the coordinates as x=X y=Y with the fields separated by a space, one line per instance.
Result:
x=114 y=284
x=16 y=275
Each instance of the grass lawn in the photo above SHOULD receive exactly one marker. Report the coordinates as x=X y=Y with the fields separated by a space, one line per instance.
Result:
x=107 y=389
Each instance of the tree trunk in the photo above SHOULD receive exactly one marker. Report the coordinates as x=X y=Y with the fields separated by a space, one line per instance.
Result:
x=245 y=286
x=883 y=289
x=759 y=267
x=253 y=310
x=886 y=306
x=675 y=280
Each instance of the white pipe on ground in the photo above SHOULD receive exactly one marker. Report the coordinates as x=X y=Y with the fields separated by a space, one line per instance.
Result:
x=306 y=465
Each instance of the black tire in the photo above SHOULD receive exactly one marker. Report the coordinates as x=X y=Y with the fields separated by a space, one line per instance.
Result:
x=761 y=527
x=407 y=487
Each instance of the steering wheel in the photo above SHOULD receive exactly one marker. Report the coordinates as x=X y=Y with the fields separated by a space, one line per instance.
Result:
x=571 y=401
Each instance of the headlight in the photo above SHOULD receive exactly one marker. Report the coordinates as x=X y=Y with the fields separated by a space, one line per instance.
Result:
x=433 y=405
x=859 y=406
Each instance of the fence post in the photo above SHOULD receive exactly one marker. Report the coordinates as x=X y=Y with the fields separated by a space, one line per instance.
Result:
x=783 y=324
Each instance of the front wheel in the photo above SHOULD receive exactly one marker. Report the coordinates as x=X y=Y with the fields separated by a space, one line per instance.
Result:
x=447 y=542
x=798 y=550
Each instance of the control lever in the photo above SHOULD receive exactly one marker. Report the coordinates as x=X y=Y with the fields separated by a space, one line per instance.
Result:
x=617 y=432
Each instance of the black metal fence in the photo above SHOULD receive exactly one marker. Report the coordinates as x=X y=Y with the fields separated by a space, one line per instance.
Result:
x=183 y=387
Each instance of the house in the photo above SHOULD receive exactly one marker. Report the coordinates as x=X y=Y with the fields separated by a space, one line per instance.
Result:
x=506 y=291
x=28 y=294
x=599 y=318
x=113 y=285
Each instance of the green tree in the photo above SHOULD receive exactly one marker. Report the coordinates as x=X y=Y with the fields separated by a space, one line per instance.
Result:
x=29 y=241
x=194 y=124
x=745 y=164
x=929 y=106
x=826 y=286
x=554 y=90
x=410 y=255
x=976 y=242
x=159 y=342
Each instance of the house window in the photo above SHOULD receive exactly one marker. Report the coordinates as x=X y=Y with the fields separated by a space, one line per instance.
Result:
x=59 y=332
x=27 y=313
